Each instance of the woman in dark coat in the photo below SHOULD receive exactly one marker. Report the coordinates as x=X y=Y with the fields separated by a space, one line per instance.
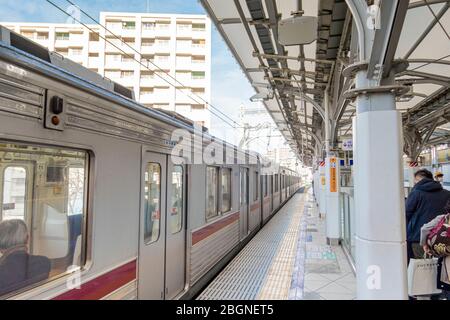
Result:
x=18 y=268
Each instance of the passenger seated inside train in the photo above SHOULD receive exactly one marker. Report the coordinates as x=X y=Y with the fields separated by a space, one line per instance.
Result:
x=18 y=268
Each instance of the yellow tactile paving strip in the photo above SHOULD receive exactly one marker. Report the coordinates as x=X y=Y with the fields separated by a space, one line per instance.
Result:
x=245 y=276
x=278 y=279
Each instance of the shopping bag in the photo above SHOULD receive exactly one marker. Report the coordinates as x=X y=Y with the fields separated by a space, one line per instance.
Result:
x=422 y=277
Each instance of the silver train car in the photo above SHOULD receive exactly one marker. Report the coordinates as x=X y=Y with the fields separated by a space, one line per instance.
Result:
x=110 y=212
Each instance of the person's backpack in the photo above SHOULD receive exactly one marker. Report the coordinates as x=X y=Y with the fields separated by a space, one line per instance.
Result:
x=439 y=238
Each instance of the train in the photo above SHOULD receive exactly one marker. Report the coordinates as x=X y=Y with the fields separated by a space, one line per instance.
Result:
x=108 y=204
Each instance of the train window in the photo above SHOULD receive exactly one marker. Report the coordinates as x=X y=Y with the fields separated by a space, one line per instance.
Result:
x=152 y=205
x=226 y=189
x=212 y=185
x=14 y=193
x=265 y=186
x=177 y=212
x=256 y=188
x=276 y=182
x=42 y=213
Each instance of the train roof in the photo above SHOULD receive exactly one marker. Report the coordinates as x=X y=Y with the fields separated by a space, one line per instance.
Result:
x=30 y=55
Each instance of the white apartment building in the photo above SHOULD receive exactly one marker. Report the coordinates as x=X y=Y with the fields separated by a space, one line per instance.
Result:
x=140 y=51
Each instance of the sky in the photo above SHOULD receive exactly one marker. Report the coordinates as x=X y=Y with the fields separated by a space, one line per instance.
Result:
x=230 y=87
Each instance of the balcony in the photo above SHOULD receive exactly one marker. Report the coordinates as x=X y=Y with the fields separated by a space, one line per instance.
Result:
x=197 y=82
x=198 y=49
x=184 y=48
x=147 y=82
x=128 y=32
x=155 y=97
x=148 y=33
x=94 y=46
x=161 y=48
x=184 y=32
x=198 y=65
x=93 y=62
x=62 y=43
x=198 y=33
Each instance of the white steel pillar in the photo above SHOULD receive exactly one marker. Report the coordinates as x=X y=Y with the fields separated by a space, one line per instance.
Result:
x=380 y=220
x=332 y=182
x=322 y=190
x=378 y=147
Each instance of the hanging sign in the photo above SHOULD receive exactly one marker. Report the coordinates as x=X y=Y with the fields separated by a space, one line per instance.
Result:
x=333 y=175
x=347 y=144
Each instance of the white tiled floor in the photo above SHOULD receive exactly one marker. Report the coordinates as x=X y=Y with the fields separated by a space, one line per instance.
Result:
x=328 y=275
x=289 y=260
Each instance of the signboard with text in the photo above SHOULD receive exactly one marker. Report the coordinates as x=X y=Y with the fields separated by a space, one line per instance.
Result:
x=333 y=174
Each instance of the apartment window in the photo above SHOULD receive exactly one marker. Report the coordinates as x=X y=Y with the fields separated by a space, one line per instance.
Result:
x=198 y=107
x=163 y=25
x=126 y=74
x=127 y=58
x=226 y=189
x=147 y=42
x=183 y=26
x=147 y=75
x=62 y=36
x=198 y=43
x=162 y=42
x=113 y=25
x=180 y=60
x=38 y=213
x=128 y=42
x=212 y=188
x=93 y=36
x=129 y=25
x=42 y=35
x=162 y=58
x=256 y=186
x=198 y=27
x=183 y=108
x=161 y=90
x=198 y=91
x=146 y=91
x=112 y=74
x=152 y=203
x=28 y=34
x=183 y=43
x=76 y=52
x=198 y=59
x=198 y=75
x=148 y=25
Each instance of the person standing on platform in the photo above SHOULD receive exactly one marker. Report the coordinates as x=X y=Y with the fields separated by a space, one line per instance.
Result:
x=425 y=202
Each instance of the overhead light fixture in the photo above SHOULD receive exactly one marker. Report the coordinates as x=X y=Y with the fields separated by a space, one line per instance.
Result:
x=259 y=97
x=262 y=85
x=297 y=30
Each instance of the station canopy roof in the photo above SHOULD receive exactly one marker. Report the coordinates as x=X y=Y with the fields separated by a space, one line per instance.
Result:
x=292 y=79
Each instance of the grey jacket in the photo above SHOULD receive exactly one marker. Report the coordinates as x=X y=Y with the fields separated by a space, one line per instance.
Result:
x=426 y=228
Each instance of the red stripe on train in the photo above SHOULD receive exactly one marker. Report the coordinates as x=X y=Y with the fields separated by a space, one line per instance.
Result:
x=103 y=285
x=205 y=232
x=254 y=207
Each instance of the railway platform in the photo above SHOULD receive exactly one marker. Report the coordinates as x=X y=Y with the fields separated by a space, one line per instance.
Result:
x=288 y=259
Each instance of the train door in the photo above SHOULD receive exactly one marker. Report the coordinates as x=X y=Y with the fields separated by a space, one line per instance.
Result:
x=244 y=201
x=152 y=238
x=175 y=229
